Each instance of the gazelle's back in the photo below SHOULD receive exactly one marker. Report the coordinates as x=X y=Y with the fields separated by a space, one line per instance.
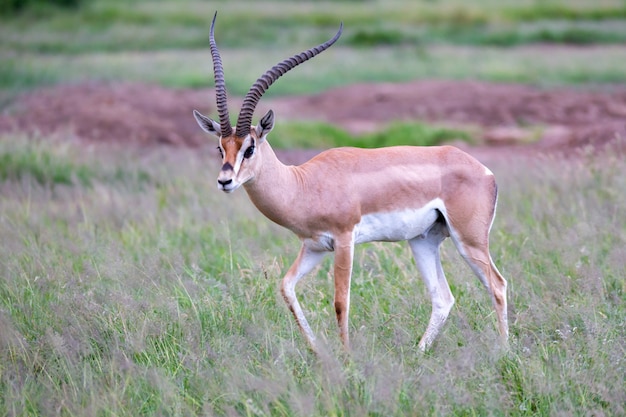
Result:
x=392 y=178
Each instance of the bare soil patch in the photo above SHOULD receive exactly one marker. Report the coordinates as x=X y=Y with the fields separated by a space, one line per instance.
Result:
x=568 y=118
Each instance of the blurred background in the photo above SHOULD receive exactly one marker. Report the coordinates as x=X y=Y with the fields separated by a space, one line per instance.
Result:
x=552 y=42
x=579 y=45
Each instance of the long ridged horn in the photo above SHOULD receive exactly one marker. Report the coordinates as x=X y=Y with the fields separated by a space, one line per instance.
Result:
x=262 y=84
x=220 y=85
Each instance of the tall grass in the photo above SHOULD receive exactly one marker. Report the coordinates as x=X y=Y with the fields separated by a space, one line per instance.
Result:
x=146 y=292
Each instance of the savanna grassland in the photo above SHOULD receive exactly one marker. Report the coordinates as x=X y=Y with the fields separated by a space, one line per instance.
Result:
x=130 y=287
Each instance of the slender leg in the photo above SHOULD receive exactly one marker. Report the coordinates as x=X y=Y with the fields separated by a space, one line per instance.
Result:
x=344 y=253
x=472 y=241
x=426 y=253
x=479 y=259
x=469 y=224
x=307 y=260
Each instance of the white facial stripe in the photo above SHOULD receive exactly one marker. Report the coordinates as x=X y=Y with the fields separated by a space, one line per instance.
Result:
x=247 y=142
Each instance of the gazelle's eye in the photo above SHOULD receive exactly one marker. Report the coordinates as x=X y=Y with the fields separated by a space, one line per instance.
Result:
x=249 y=152
x=219 y=148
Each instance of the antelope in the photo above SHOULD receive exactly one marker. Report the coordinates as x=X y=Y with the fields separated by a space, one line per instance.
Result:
x=346 y=196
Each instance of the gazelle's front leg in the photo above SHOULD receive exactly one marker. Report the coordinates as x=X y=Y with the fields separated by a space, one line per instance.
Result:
x=307 y=260
x=344 y=253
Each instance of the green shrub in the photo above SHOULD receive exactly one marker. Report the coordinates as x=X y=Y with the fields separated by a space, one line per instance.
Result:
x=377 y=37
x=12 y=7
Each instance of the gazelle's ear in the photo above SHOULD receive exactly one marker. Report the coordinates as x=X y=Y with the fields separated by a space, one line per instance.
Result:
x=207 y=124
x=265 y=126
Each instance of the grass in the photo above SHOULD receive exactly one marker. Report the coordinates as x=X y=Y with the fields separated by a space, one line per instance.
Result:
x=103 y=24
x=41 y=167
x=340 y=66
x=147 y=41
x=317 y=135
x=129 y=286
x=144 y=291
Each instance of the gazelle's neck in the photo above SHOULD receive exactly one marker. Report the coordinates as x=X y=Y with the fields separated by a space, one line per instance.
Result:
x=273 y=189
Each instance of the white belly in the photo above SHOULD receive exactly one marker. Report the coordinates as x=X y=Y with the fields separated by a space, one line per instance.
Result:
x=397 y=225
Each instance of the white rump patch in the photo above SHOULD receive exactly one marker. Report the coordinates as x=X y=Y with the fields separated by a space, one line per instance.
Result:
x=399 y=225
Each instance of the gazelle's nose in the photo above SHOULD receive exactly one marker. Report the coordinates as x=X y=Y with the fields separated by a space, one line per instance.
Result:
x=224 y=182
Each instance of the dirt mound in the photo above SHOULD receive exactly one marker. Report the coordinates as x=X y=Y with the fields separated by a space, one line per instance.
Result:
x=144 y=114
x=147 y=114
x=570 y=117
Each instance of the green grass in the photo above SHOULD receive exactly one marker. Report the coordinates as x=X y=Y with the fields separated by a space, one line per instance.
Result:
x=148 y=292
x=15 y=7
x=147 y=25
x=540 y=65
x=129 y=286
x=41 y=167
x=147 y=41
x=317 y=135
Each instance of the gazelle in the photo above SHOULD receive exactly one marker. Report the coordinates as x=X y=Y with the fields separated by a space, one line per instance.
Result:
x=346 y=196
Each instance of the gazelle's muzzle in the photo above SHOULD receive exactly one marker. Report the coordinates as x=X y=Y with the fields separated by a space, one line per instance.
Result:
x=225 y=180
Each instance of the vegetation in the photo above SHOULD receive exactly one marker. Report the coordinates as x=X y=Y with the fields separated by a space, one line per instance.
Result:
x=147 y=292
x=317 y=135
x=147 y=41
x=130 y=287
x=41 y=167
x=15 y=7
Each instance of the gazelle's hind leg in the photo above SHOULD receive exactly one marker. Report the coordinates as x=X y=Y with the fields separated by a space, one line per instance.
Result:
x=425 y=250
x=479 y=259
x=472 y=241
